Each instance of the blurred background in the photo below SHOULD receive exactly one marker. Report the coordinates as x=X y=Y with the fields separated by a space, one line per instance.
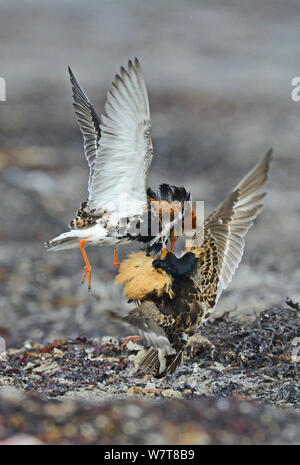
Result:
x=219 y=80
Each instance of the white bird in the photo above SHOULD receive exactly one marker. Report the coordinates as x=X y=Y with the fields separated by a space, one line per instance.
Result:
x=118 y=148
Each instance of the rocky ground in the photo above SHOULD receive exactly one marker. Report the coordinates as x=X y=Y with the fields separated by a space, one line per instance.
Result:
x=219 y=80
x=75 y=388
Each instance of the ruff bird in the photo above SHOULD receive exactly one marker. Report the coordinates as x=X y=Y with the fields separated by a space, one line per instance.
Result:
x=118 y=149
x=177 y=295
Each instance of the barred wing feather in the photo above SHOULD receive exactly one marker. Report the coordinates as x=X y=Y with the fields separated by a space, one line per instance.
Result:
x=125 y=153
x=89 y=123
x=228 y=225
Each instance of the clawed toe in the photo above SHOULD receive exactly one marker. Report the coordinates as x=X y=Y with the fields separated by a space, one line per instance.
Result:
x=129 y=338
x=87 y=271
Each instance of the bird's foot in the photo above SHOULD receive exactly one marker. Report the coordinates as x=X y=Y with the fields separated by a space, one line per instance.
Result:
x=87 y=273
x=116 y=259
x=87 y=268
x=128 y=339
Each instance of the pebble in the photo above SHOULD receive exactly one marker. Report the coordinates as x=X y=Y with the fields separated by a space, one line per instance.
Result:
x=172 y=394
x=135 y=390
x=58 y=352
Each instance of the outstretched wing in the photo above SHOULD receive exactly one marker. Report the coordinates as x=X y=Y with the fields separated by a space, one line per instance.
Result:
x=225 y=230
x=89 y=124
x=125 y=153
x=148 y=321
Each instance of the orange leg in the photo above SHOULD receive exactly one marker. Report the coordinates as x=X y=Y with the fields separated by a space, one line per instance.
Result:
x=87 y=268
x=129 y=338
x=116 y=259
x=173 y=243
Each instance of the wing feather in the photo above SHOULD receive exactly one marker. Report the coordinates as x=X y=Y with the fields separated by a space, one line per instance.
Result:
x=226 y=228
x=125 y=153
x=89 y=123
x=148 y=321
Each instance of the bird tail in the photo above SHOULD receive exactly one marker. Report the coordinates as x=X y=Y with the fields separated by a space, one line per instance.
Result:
x=67 y=240
x=158 y=362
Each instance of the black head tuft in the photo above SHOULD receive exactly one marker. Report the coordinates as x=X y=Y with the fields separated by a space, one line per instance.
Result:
x=172 y=193
x=151 y=193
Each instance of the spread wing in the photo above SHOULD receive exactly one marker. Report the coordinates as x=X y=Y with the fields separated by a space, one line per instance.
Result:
x=149 y=322
x=89 y=124
x=225 y=230
x=124 y=157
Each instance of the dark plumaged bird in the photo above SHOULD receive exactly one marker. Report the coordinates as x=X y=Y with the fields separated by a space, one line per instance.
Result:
x=177 y=295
